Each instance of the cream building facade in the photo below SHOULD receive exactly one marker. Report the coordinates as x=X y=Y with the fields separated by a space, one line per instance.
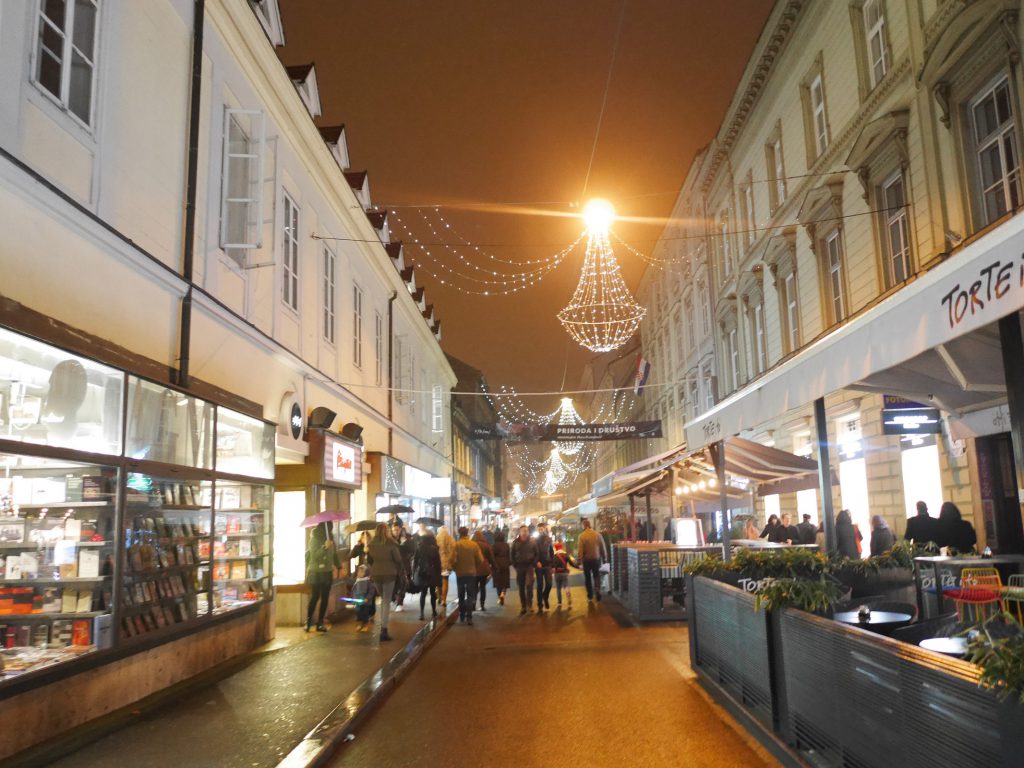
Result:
x=868 y=142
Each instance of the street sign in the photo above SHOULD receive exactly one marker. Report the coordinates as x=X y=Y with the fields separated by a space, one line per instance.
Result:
x=911 y=421
x=542 y=433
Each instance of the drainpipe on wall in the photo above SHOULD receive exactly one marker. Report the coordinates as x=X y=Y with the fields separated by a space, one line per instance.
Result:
x=192 y=172
x=391 y=372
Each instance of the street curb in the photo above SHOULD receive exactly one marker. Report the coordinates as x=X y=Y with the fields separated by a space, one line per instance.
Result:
x=320 y=744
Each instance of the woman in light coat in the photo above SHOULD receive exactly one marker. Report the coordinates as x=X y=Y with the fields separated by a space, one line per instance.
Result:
x=446 y=547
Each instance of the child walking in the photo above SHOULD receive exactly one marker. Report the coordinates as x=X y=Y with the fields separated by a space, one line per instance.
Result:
x=365 y=593
x=562 y=562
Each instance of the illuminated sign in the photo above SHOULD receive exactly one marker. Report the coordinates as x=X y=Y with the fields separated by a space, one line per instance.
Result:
x=295 y=421
x=343 y=462
x=911 y=421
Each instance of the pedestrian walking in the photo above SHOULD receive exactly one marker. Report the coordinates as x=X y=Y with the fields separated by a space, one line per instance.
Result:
x=847 y=540
x=407 y=548
x=385 y=565
x=426 y=571
x=545 y=566
x=502 y=561
x=322 y=563
x=807 y=530
x=922 y=528
x=562 y=561
x=524 y=560
x=592 y=554
x=486 y=568
x=467 y=561
x=365 y=594
x=882 y=539
x=446 y=547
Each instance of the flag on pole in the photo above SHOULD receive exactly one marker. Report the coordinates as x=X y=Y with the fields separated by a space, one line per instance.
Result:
x=643 y=372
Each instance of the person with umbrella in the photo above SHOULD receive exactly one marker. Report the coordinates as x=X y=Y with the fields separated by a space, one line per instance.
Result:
x=385 y=566
x=426 y=570
x=322 y=562
x=407 y=548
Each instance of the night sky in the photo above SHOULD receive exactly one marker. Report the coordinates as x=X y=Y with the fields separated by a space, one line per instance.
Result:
x=456 y=102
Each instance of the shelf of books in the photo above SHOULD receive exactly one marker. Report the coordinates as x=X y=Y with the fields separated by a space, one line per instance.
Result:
x=241 y=544
x=56 y=561
x=167 y=553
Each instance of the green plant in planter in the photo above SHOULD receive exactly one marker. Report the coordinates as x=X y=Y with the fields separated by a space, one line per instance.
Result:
x=788 y=563
x=708 y=565
x=998 y=648
x=812 y=595
x=900 y=555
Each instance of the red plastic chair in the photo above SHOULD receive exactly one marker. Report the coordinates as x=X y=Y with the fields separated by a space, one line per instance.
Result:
x=979 y=595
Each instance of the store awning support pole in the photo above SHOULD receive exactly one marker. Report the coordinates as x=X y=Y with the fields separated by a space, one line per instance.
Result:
x=632 y=518
x=1011 y=340
x=718 y=456
x=828 y=517
x=650 y=521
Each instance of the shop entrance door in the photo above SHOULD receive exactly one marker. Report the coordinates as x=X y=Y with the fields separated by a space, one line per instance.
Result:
x=999 y=505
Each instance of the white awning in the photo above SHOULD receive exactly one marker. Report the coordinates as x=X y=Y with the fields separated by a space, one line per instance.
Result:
x=975 y=287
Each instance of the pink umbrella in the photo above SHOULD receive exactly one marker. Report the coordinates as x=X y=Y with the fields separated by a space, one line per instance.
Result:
x=323 y=517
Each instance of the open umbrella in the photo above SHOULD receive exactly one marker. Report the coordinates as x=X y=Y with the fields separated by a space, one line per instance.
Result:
x=362 y=525
x=323 y=517
x=396 y=509
x=431 y=521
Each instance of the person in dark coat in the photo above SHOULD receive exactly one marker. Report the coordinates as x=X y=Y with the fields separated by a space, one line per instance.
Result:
x=954 y=531
x=773 y=530
x=846 y=535
x=322 y=562
x=807 y=531
x=359 y=550
x=790 y=535
x=407 y=548
x=426 y=571
x=486 y=567
x=524 y=558
x=882 y=539
x=502 y=560
x=922 y=528
x=545 y=565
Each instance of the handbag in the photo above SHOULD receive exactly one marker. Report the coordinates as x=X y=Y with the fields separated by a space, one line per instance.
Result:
x=605 y=568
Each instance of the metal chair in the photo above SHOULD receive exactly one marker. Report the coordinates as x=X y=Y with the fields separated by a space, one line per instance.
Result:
x=1013 y=596
x=979 y=594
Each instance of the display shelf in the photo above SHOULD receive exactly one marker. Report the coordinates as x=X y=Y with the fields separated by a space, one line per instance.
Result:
x=238 y=581
x=148 y=572
x=70 y=582
x=32 y=545
x=252 y=535
x=228 y=558
x=240 y=509
x=65 y=505
x=181 y=507
x=11 y=617
x=149 y=604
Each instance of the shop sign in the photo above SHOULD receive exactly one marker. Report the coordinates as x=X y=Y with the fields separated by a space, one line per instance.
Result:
x=603 y=486
x=897 y=403
x=417 y=483
x=343 y=462
x=392 y=476
x=911 y=421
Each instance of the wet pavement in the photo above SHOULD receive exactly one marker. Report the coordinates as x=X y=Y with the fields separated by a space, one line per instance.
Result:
x=252 y=717
x=582 y=687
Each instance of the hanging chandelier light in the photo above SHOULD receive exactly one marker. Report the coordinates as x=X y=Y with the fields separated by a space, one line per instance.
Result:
x=602 y=314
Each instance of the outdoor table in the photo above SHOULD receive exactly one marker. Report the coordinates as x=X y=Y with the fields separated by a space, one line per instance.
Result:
x=879 y=621
x=951 y=646
x=942 y=572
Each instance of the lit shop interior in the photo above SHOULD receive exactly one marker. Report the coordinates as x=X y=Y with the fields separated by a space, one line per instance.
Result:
x=130 y=513
x=393 y=482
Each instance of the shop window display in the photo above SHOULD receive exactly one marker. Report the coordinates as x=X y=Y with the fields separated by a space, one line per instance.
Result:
x=166 y=553
x=56 y=561
x=241 y=545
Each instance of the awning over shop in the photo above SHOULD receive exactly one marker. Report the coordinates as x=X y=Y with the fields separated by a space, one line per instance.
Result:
x=920 y=328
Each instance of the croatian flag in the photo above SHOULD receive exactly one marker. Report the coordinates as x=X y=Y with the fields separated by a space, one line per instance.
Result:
x=643 y=372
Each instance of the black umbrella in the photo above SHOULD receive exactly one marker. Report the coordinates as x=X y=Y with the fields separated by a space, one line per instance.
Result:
x=431 y=521
x=362 y=525
x=396 y=509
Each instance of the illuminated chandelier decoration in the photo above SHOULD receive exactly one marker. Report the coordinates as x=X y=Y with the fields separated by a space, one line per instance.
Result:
x=602 y=314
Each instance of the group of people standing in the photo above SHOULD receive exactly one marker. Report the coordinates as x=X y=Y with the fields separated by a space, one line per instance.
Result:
x=948 y=530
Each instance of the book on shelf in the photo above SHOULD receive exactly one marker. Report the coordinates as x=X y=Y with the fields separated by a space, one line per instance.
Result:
x=220 y=571
x=69 y=601
x=12 y=533
x=40 y=634
x=81 y=632
x=238 y=569
x=230 y=593
x=29 y=565
x=84 y=604
x=52 y=600
x=88 y=564
x=244 y=548
x=61 y=631
x=73 y=529
x=13 y=570
x=68 y=570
